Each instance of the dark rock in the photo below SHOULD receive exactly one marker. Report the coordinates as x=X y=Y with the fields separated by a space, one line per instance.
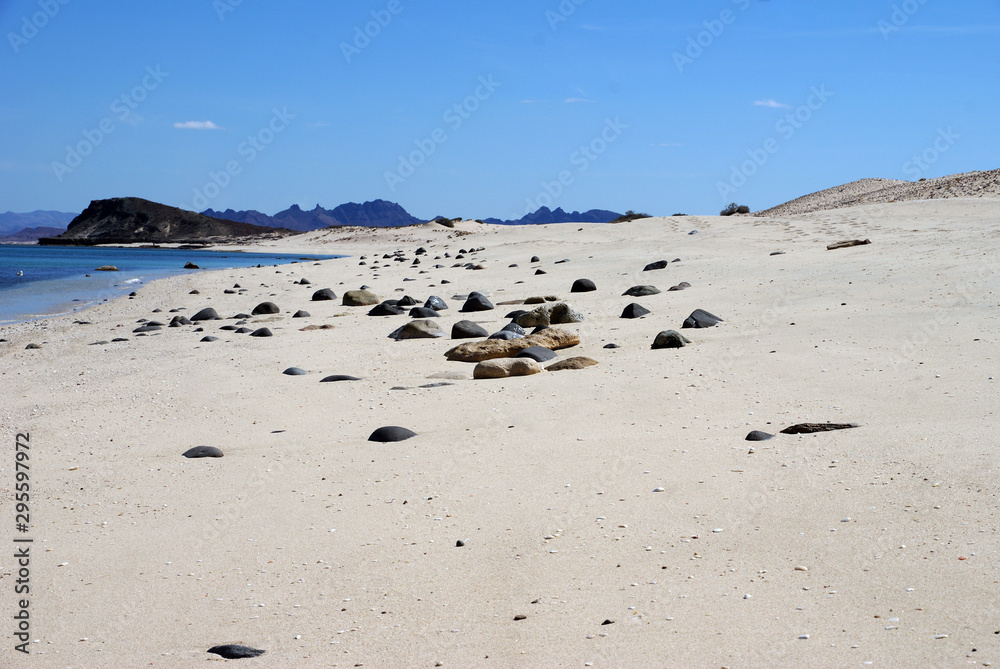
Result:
x=476 y=302
x=202 y=452
x=118 y=339
x=386 y=309
x=517 y=313
x=540 y=271
x=190 y=265
x=436 y=303
x=261 y=332
x=195 y=292
x=757 y=435
x=240 y=317
x=467 y=330
x=301 y=314
x=295 y=371
x=519 y=617
x=100 y=343
x=265 y=308
x=246 y=330
x=683 y=285
x=635 y=311
x=209 y=338
x=811 y=428
x=338 y=377
x=459 y=543
x=537 y=353
x=777 y=253
x=148 y=328
x=659 y=264
x=608 y=622
x=506 y=335
x=235 y=651
x=838 y=245
x=513 y=327
x=407 y=301
x=641 y=291
x=670 y=339
x=207 y=314
x=305 y=282
x=560 y=262
x=583 y=286
x=579 y=362
x=611 y=346
x=324 y=295
x=391 y=433
x=700 y=318
x=229 y=328
x=535 y=259
x=229 y=291
x=423 y=312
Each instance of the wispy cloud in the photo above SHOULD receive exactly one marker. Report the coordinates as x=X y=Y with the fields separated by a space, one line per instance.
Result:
x=198 y=125
x=774 y=104
x=576 y=100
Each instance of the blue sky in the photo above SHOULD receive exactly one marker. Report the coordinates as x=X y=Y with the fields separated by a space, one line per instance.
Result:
x=489 y=108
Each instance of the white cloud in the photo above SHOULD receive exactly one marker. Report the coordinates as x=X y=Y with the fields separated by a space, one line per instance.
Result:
x=198 y=125
x=575 y=100
x=772 y=103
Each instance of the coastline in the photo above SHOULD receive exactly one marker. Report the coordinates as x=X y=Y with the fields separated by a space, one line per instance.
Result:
x=323 y=548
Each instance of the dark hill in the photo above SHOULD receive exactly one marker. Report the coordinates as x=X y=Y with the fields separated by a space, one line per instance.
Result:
x=30 y=235
x=130 y=220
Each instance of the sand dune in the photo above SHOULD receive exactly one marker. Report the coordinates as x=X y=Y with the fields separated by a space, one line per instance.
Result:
x=623 y=492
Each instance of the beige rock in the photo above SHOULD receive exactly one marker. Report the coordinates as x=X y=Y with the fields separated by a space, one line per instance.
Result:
x=550 y=314
x=579 y=362
x=502 y=368
x=490 y=349
x=360 y=298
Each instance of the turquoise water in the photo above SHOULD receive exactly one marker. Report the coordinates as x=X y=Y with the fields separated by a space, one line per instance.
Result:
x=54 y=278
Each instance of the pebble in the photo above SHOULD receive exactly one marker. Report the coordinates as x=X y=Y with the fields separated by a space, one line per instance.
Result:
x=659 y=490
x=295 y=371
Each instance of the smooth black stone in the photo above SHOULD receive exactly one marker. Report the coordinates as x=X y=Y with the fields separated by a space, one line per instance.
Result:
x=683 y=285
x=209 y=338
x=515 y=328
x=659 y=264
x=265 y=308
x=436 y=303
x=517 y=313
x=468 y=330
x=641 y=291
x=539 y=328
x=207 y=314
x=670 y=339
x=229 y=291
x=118 y=339
x=338 y=377
x=506 y=335
x=477 y=302
x=436 y=385
x=246 y=330
x=148 y=328
x=240 y=317
x=537 y=353
x=386 y=309
x=757 y=435
x=202 y=452
x=230 y=328
x=423 y=312
x=391 y=433
x=324 y=295
x=635 y=311
x=261 y=332
x=535 y=259
x=700 y=318
x=100 y=343
x=304 y=282
x=459 y=543
x=611 y=346
x=564 y=260
x=295 y=371
x=157 y=311
x=812 y=428
x=235 y=651
x=301 y=314
x=195 y=292
x=540 y=271
x=407 y=301
x=583 y=286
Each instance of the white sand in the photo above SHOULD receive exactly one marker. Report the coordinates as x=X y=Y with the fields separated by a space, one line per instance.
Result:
x=324 y=549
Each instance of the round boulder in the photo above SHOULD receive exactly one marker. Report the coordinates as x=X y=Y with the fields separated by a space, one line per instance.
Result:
x=260 y=332
x=468 y=330
x=635 y=311
x=583 y=286
x=670 y=339
x=207 y=314
x=477 y=302
x=418 y=329
x=324 y=295
x=641 y=291
x=360 y=298
x=265 y=308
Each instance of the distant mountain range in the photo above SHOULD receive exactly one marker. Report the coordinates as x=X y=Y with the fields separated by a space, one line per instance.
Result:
x=546 y=215
x=131 y=220
x=375 y=214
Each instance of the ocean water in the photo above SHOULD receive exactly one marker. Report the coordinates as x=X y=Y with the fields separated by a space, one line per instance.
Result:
x=54 y=278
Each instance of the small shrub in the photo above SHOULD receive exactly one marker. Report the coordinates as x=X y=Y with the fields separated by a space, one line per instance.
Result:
x=734 y=208
x=630 y=216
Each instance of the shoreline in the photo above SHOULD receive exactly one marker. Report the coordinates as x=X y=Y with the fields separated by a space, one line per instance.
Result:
x=624 y=492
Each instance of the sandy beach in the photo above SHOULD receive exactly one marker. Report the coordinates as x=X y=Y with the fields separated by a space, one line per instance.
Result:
x=618 y=509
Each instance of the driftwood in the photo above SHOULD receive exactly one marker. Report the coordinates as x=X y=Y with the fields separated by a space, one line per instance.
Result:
x=810 y=428
x=845 y=245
